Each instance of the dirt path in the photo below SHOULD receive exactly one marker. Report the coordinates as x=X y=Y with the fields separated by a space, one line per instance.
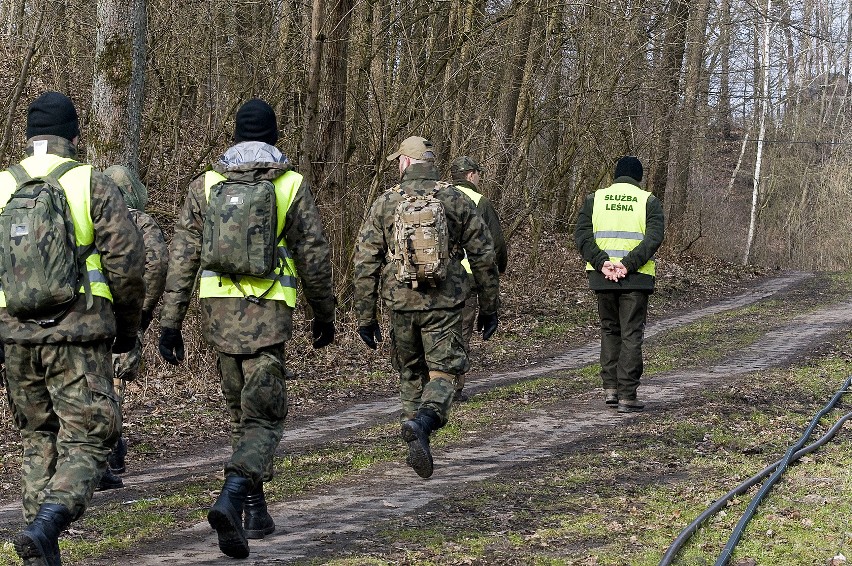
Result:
x=322 y=524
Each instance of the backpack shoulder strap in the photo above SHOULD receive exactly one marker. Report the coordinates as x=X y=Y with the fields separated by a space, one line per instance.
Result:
x=62 y=168
x=21 y=176
x=19 y=173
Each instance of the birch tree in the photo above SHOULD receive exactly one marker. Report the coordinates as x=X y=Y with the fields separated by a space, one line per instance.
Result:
x=764 y=98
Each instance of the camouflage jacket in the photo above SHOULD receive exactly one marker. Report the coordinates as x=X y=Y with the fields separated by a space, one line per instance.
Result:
x=467 y=231
x=120 y=246
x=489 y=214
x=156 y=257
x=235 y=325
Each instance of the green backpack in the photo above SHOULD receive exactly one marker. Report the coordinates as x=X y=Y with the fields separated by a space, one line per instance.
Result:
x=240 y=230
x=41 y=267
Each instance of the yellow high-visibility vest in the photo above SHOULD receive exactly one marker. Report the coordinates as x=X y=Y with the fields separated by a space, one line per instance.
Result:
x=77 y=186
x=475 y=197
x=618 y=221
x=280 y=284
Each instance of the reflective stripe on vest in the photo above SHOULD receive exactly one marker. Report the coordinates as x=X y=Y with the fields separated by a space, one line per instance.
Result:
x=280 y=285
x=77 y=186
x=618 y=221
x=475 y=197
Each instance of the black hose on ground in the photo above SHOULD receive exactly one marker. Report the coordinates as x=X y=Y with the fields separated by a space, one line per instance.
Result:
x=779 y=466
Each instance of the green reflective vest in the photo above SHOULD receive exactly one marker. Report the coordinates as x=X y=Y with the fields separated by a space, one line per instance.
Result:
x=280 y=284
x=77 y=186
x=618 y=220
x=475 y=197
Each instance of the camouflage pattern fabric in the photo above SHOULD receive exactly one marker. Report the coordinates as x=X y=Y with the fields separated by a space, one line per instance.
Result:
x=122 y=257
x=68 y=415
x=256 y=426
x=60 y=378
x=156 y=264
x=128 y=366
x=249 y=337
x=426 y=323
x=492 y=220
x=426 y=342
x=471 y=305
x=467 y=231
x=235 y=325
x=135 y=192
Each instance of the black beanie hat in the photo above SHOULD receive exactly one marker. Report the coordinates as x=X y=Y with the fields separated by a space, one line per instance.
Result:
x=256 y=122
x=629 y=166
x=52 y=113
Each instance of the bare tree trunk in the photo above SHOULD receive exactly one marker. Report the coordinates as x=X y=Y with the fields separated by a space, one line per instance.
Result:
x=764 y=96
x=118 y=84
x=674 y=48
x=724 y=112
x=509 y=95
x=678 y=189
x=310 y=124
x=26 y=61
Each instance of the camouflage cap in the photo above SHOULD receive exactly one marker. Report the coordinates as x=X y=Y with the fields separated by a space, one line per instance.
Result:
x=414 y=147
x=462 y=165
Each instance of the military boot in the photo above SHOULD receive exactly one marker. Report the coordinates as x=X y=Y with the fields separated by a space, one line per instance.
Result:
x=109 y=481
x=226 y=516
x=117 y=455
x=257 y=521
x=38 y=544
x=611 y=397
x=416 y=433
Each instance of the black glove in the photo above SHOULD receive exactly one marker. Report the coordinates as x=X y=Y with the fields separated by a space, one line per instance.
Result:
x=145 y=320
x=2 y=353
x=323 y=333
x=370 y=334
x=487 y=324
x=171 y=345
x=123 y=344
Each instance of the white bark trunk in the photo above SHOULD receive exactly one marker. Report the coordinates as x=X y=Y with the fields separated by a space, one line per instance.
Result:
x=764 y=97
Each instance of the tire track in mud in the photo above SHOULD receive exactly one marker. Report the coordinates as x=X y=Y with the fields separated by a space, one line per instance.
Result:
x=327 y=522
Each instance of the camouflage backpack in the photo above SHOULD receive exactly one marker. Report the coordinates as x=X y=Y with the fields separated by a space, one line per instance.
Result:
x=421 y=239
x=41 y=267
x=240 y=231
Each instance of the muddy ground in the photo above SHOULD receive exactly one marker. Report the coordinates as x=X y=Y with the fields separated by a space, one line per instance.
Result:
x=360 y=514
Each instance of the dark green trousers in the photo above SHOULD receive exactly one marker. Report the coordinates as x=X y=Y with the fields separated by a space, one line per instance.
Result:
x=622 y=315
x=256 y=392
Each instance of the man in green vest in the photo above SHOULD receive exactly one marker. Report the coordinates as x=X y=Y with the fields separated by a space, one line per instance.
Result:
x=59 y=364
x=248 y=318
x=619 y=229
x=466 y=174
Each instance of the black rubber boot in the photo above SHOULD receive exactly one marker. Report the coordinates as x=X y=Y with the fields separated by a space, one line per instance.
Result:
x=109 y=481
x=416 y=433
x=38 y=544
x=257 y=521
x=115 y=460
x=226 y=516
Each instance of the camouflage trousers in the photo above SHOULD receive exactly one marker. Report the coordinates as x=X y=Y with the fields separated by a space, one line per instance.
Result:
x=622 y=315
x=255 y=390
x=428 y=353
x=63 y=402
x=471 y=306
